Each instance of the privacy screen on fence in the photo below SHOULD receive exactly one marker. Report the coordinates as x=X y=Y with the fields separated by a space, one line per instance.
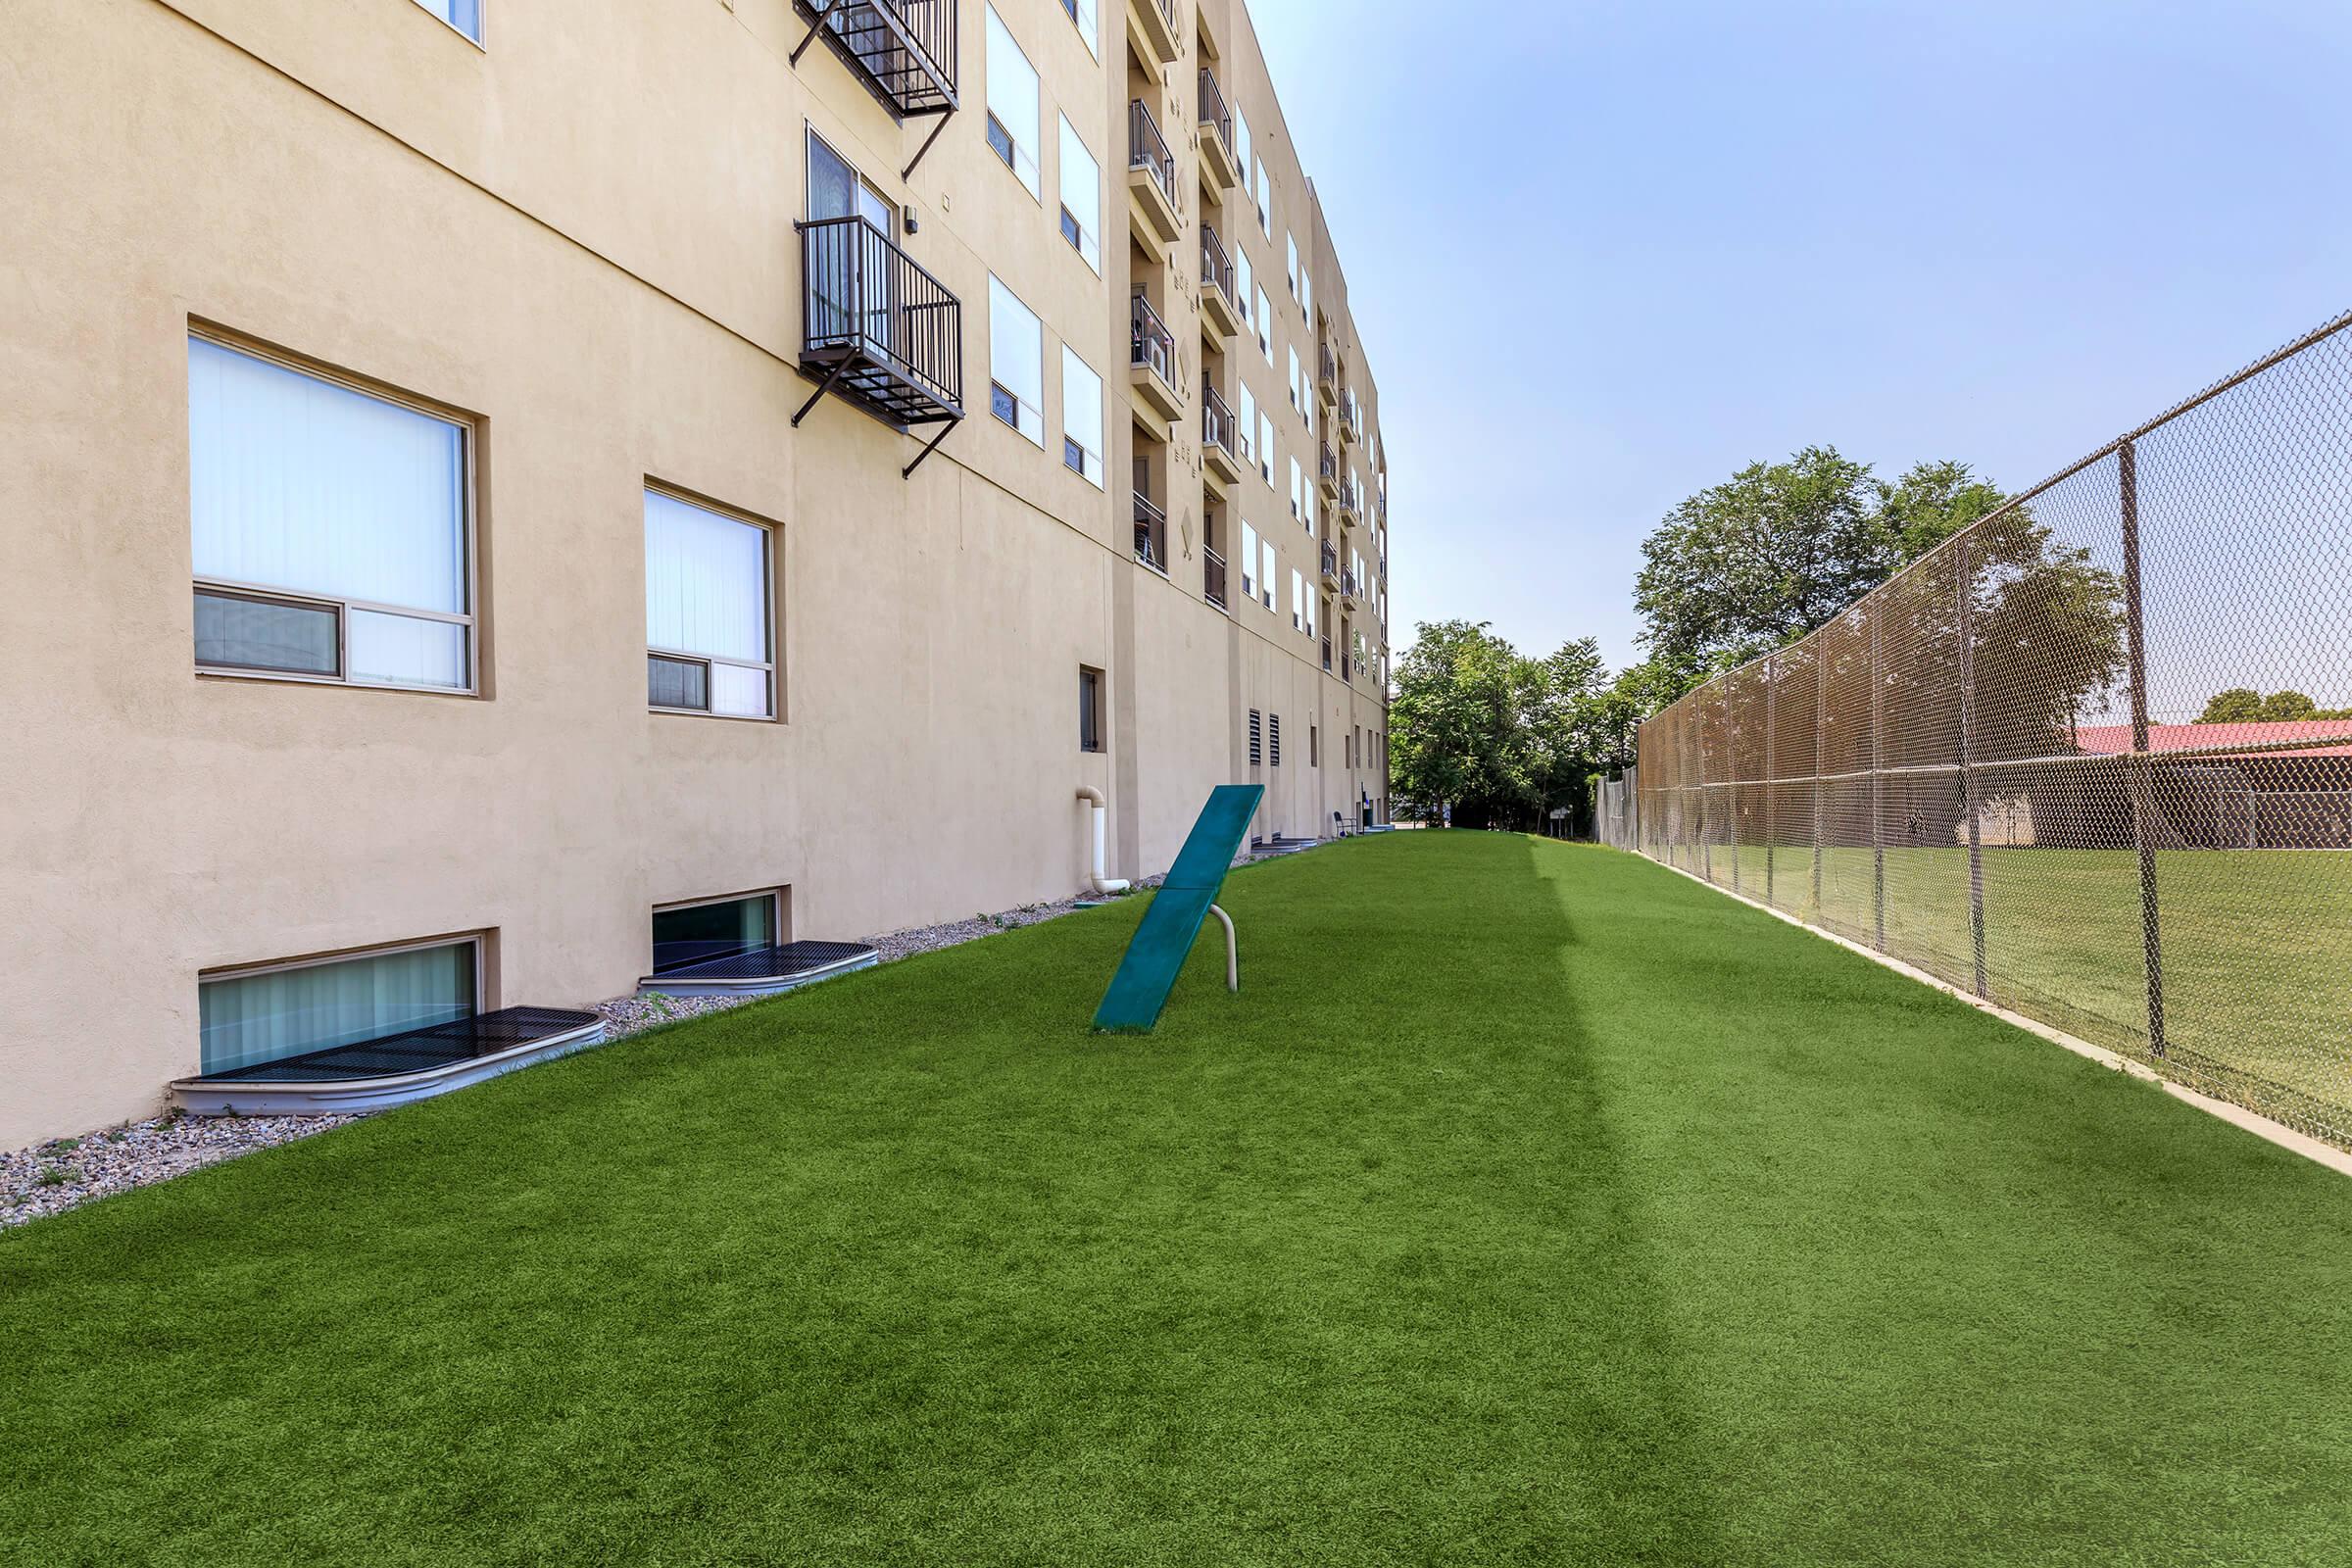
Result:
x=2007 y=766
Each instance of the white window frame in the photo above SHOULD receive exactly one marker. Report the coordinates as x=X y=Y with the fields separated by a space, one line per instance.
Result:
x=1025 y=159
x=271 y=594
x=1265 y=445
x=1089 y=244
x=1248 y=562
x=1265 y=579
x=1025 y=414
x=1266 y=326
x=772 y=665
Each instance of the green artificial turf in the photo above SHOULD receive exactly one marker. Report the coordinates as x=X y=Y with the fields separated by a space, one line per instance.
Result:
x=2256 y=951
x=1531 y=1203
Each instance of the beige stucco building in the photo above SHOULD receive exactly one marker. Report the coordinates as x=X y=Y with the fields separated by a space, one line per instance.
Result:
x=412 y=551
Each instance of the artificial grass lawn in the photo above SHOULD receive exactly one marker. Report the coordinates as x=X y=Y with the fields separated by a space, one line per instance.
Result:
x=1531 y=1203
x=2257 y=950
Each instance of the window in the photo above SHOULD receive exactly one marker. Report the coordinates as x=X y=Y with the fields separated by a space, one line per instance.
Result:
x=1266 y=326
x=1081 y=14
x=1242 y=146
x=331 y=529
x=1081 y=418
x=1248 y=562
x=1265 y=203
x=281 y=1010
x=1295 y=401
x=1297 y=601
x=1273 y=740
x=1248 y=421
x=1311 y=599
x=1265 y=446
x=1265 y=577
x=1012 y=105
x=1298 y=490
x=1090 y=710
x=1016 y=361
x=463 y=14
x=1314 y=746
x=1081 y=197
x=709 y=636
x=1256 y=738
x=1289 y=243
x=1306 y=296
x=1243 y=280
x=723 y=928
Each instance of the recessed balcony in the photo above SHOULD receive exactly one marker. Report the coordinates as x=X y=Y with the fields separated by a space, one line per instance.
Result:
x=1220 y=169
x=1151 y=367
x=1331 y=568
x=1352 y=419
x=1219 y=450
x=1152 y=28
x=878 y=329
x=1350 y=502
x=1212 y=578
x=1150 y=534
x=1327 y=377
x=1220 y=319
x=1155 y=201
x=1327 y=474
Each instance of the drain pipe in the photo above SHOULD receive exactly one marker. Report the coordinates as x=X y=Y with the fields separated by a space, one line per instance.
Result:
x=1094 y=798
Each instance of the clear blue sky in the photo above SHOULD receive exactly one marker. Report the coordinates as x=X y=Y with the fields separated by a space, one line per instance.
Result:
x=1604 y=254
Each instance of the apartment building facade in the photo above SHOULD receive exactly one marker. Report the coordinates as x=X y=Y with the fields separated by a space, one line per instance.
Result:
x=490 y=477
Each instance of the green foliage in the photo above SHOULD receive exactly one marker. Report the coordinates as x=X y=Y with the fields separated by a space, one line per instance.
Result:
x=1500 y=736
x=2241 y=704
x=1753 y=563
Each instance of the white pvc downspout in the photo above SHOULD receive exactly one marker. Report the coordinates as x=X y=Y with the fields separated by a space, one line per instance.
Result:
x=1094 y=878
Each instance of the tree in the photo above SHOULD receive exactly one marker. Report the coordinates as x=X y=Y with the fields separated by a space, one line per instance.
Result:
x=2237 y=706
x=1503 y=737
x=2241 y=704
x=1755 y=563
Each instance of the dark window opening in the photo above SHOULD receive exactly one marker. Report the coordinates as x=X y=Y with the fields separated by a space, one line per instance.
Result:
x=1090 y=710
x=703 y=932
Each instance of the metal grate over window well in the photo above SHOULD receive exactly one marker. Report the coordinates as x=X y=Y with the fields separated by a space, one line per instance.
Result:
x=485 y=1034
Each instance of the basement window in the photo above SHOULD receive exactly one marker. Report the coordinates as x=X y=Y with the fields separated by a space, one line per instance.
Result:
x=689 y=934
x=1090 y=710
x=274 y=1011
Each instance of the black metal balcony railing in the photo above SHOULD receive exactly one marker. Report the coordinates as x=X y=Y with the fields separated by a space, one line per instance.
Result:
x=1330 y=463
x=878 y=328
x=1327 y=368
x=1216 y=268
x=1348 y=585
x=1213 y=112
x=1331 y=561
x=1326 y=656
x=1149 y=524
x=1216 y=419
x=903 y=51
x=1154 y=346
x=1148 y=149
x=1212 y=578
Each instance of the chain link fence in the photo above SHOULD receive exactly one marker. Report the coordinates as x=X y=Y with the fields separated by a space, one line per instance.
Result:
x=2006 y=765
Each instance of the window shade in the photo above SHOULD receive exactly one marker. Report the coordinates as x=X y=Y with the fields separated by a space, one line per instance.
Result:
x=705 y=582
x=245 y=1019
x=1016 y=357
x=1012 y=97
x=1082 y=193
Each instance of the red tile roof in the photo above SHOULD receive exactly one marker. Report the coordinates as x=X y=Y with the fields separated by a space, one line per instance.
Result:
x=2112 y=740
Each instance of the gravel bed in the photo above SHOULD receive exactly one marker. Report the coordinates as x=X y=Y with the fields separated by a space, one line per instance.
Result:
x=51 y=1177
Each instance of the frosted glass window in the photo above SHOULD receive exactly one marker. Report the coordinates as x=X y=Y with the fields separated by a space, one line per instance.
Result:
x=338 y=500
x=244 y=1021
x=1081 y=197
x=463 y=14
x=1012 y=103
x=1016 y=361
x=709 y=633
x=1081 y=417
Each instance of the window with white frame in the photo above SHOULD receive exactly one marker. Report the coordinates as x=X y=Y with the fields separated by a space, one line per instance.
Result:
x=1247 y=420
x=1082 y=17
x=1012 y=103
x=1265 y=577
x=1296 y=401
x=1081 y=417
x=1298 y=490
x=1289 y=242
x=332 y=528
x=1266 y=326
x=1016 y=362
x=463 y=14
x=1081 y=197
x=1266 y=447
x=1248 y=562
x=1297 y=601
x=1265 y=203
x=1243 y=148
x=1243 y=280
x=269 y=1013
x=1306 y=295
x=709 y=627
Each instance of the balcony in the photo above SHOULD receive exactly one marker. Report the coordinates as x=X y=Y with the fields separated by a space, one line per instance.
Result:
x=1351 y=590
x=1220 y=170
x=1219 y=450
x=1152 y=361
x=1220 y=319
x=1351 y=500
x=879 y=331
x=1352 y=419
x=1212 y=578
x=1327 y=653
x=1327 y=377
x=1152 y=28
x=902 y=51
x=1331 y=567
x=1156 y=205
x=1327 y=472
x=1150 y=534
